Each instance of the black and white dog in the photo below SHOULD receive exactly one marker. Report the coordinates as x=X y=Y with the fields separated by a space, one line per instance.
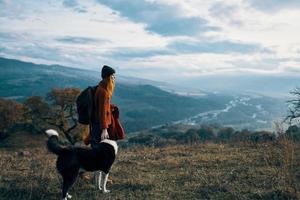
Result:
x=73 y=159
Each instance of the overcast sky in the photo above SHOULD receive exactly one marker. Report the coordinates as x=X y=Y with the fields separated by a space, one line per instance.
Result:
x=155 y=39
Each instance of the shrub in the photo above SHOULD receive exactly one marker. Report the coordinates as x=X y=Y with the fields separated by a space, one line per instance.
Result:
x=241 y=136
x=262 y=136
x=172 y=135
x=293 y=132
x=11 y=113
x=206 y=133
x=191 y=137
x=148 y=140
x=226 y=133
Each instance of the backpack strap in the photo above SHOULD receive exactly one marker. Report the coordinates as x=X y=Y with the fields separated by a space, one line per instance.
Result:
x=94 y=106
x=90 y=128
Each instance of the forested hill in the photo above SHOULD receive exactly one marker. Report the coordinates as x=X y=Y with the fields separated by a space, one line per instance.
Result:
x=22 y=79
x=142 y=106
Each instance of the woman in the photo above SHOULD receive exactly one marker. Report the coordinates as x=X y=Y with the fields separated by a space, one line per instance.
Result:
x=102 y=114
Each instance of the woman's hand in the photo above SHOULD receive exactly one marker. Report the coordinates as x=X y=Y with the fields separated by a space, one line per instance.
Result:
x=104 y=134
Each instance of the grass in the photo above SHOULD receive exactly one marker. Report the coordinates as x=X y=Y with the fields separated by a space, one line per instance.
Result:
x=202 y=171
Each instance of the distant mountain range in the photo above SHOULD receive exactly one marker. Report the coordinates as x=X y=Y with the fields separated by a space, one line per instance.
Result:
x=275 y=85
x=22 y=79
x=144 y=103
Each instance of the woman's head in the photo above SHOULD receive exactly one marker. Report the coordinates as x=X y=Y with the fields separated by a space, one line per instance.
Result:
x=107 y=71
x=108 y=76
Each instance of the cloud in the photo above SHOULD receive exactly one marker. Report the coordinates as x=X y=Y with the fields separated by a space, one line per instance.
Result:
x=218 y=47
x=40 y=52
x=81 y=10
x=162 y=19
x=35 y=50
x=131 y=53
x=80 y=40
x=274 y=5
x=160 y=39
x=13 y=10
x=73 y=4
x=226 y=13
x=70 y=3
x=292 y=66
x=186 y=47
x=5 y=36
x=256 y=63
x=175 y=66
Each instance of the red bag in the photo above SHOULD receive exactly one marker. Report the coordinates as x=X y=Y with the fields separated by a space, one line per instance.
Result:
x=115 y=130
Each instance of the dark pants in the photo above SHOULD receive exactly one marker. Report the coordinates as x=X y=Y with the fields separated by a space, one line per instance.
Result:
x=95 y=134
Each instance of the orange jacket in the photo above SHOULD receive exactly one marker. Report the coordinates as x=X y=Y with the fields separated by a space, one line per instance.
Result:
x=115 y=130
x=102 y=107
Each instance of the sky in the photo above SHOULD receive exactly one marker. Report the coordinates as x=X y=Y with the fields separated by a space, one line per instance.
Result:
x=161 y=40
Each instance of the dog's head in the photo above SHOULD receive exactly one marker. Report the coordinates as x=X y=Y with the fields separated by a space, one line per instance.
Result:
x=112 y=143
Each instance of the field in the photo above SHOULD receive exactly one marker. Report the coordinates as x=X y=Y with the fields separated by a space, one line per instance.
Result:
x=200 y=171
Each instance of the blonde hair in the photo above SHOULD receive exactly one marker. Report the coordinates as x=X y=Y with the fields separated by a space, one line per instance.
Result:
x=110 y=85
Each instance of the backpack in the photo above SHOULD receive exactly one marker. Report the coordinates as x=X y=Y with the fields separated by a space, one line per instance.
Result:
x=85 y=105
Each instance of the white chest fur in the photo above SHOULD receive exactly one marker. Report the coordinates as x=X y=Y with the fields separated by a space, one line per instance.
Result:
x=113 y=143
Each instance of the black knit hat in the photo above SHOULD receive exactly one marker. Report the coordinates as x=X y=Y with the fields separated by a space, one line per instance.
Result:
x=107 y=71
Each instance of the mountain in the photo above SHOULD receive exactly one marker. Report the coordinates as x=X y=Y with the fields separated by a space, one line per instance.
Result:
x=275 y=85
x=144 y=103
x=22 y=79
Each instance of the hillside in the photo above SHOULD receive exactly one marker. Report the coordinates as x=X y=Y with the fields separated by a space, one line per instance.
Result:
x=22 y=79
x=203 y=171
x=142 y=104
x=190 y=170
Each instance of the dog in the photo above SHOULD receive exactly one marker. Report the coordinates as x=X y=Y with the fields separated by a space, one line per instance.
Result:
x=72 y=159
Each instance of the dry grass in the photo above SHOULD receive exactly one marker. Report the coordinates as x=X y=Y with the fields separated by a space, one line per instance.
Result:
x=204 y=171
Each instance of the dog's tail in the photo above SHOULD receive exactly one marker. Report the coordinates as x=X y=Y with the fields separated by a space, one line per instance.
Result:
x=53 y=144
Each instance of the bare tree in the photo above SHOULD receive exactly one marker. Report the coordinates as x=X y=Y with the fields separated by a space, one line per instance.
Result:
x=64 y=110
x=37 y=112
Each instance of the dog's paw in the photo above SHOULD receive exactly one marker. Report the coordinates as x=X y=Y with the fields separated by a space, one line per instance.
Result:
x=100 y=188
x=105 y=191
